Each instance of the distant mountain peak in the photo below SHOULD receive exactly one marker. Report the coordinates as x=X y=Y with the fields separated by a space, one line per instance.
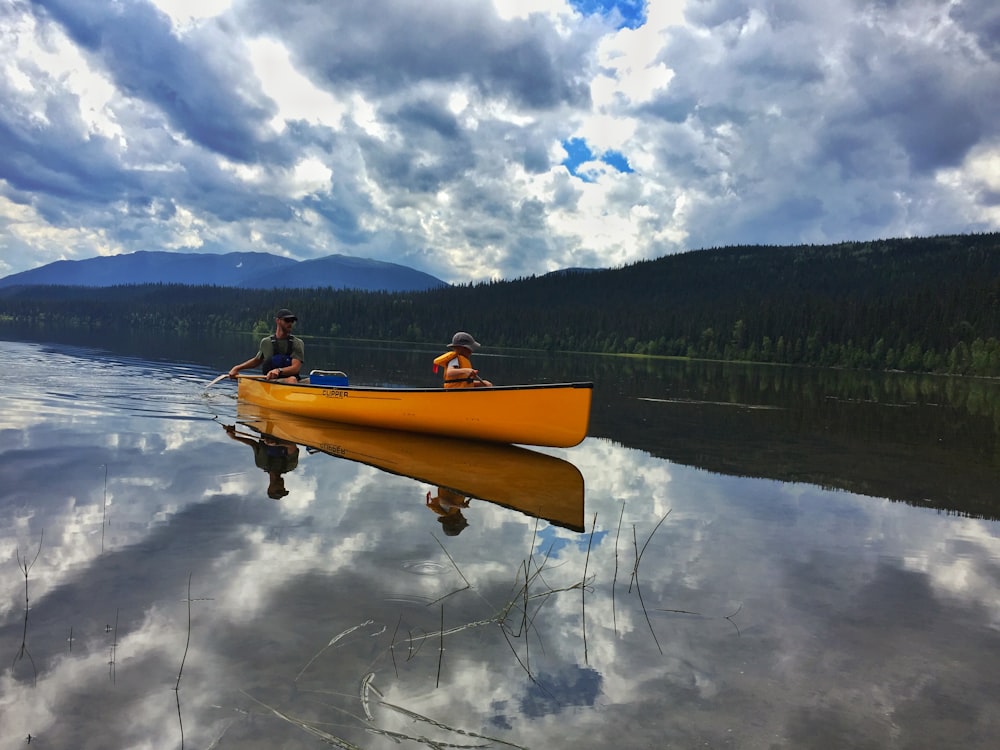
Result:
x=249 y=270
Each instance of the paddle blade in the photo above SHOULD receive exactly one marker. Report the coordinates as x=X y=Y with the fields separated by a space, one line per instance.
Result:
x=223 y=376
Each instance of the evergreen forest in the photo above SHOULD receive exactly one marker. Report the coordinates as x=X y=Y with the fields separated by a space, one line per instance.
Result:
x=915 y=304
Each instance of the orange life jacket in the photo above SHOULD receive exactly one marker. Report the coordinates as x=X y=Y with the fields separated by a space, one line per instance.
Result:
x=463 y=376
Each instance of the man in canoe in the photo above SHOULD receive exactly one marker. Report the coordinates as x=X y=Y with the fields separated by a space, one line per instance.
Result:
x=457 y=363
x=280 y=356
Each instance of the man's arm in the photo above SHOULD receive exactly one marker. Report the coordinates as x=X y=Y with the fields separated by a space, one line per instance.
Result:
x=298 y=357
x=253 y=362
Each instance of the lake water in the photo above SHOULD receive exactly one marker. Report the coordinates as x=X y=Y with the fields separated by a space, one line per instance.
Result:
x=736 y=556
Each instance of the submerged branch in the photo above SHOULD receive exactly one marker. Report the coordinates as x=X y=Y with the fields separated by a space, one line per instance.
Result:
x=187 y=644
x=328 y=645
x=614 y=580
x=440 y=650
x=635 y=577
x=306 y=726
x=639 y=553
x=427 y=720
x=583 y=591
x=458 y=570
x=730 y=618
x=25 y=567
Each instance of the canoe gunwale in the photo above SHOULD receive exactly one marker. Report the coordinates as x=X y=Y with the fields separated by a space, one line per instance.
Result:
x=421 y=389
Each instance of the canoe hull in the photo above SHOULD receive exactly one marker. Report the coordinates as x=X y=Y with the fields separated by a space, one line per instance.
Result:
x=555 y=415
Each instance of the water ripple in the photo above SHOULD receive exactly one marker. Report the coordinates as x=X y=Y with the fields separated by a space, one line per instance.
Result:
x=424 y=567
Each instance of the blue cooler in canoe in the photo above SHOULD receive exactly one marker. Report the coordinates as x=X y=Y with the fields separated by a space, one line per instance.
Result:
x=328 y=377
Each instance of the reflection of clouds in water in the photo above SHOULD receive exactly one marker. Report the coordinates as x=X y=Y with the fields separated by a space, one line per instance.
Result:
x=962 y=564
x=181 y=434
x=713 y=550
x=758 y=547
x=623 y=475
x=131 y=700
x=246 y=578
x=846 y=623
x=720 y=550
x=327 y=532
x=848 y=613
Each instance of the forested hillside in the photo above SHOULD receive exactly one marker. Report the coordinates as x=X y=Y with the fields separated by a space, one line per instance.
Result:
x=924 y=304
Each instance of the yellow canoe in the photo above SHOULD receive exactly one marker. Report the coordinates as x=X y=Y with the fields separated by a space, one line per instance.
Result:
x=555 y=415
x=533 y=483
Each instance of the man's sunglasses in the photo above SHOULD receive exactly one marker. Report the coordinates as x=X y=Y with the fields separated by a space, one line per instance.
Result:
x=289 y=320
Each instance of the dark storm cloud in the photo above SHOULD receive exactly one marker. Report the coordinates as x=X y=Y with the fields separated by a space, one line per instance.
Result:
x=673 y=106
x=935 y=103
x=981 y=19
x=65 y=171
x=534 y=158
x=191 y=81
x=712 y=13
x=799 y=121
x=128 y=186
x=68 y=166
x=30 y=165
x=432 y=152
x=436 y=132
x=425 y=116
x=61 y=168
x=406 y=170
x=342 y=209
x=388 y=45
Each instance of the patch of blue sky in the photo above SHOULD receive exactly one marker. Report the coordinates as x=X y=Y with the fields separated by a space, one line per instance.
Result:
x=551 y=541
x=617 y=160
x=627 y=14
x=578 y=152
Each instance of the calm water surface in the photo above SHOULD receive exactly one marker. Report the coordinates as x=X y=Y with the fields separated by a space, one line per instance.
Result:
x=760 y=558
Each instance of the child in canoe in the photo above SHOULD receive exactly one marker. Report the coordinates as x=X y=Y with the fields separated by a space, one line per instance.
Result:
x=457 y=363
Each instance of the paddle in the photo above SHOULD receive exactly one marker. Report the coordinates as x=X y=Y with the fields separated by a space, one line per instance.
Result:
x=231 y=429
x=223 y=376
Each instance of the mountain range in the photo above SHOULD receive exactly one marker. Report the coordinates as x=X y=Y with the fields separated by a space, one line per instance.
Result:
x=238 y=269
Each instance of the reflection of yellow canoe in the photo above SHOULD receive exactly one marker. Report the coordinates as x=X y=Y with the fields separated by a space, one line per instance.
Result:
x=554 y=414
x=534 y=483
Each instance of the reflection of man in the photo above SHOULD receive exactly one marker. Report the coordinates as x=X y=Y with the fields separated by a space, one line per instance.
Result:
x=448 y=505
x=276 y=457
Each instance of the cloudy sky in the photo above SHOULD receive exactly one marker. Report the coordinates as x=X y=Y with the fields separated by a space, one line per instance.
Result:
x=479 y=139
